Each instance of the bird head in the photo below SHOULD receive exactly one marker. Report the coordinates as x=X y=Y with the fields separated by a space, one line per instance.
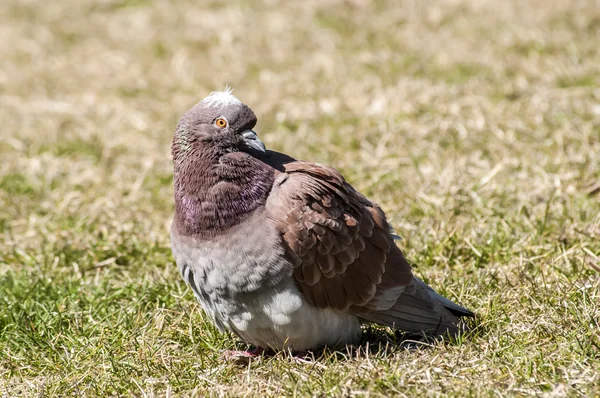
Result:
x=220 y=122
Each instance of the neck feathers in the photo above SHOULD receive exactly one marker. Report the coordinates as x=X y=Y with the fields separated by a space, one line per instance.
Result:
x=214 y=193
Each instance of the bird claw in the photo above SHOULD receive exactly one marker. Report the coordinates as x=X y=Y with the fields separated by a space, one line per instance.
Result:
x=243 y=357
x=301 y=356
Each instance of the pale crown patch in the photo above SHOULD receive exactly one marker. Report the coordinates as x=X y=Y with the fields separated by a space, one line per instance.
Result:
x=221 y=98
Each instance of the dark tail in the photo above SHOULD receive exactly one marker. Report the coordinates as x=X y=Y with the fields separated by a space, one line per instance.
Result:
x=420 y=309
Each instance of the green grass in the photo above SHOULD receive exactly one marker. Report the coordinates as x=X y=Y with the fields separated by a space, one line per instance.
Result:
x=475 y=125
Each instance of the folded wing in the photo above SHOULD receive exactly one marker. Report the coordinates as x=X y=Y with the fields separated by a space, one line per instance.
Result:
x=344 y=255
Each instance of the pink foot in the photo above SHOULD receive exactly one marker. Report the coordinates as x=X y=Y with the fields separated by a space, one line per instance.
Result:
x=243 y=357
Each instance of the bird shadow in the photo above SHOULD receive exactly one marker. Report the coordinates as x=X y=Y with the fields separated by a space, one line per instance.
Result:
x=378 y=342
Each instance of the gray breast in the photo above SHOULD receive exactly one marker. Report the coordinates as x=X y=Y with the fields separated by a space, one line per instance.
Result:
x=230 y=269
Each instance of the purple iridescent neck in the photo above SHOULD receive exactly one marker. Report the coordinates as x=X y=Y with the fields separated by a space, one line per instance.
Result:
x=214 y=193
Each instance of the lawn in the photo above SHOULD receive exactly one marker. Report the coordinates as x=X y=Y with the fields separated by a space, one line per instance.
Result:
x=474 y=124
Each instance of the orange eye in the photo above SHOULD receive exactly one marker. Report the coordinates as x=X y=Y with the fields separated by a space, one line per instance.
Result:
x=221 y=122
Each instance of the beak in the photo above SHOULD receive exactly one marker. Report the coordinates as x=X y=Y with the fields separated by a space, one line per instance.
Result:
x=252 y=140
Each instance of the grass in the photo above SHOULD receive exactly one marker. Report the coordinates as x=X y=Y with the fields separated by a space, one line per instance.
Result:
x=475 y=124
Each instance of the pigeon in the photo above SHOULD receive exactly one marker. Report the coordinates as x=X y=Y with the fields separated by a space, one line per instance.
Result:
x=285 y=253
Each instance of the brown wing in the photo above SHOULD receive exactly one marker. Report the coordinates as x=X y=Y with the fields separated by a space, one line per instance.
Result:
x=343 y=252
x=339 y=241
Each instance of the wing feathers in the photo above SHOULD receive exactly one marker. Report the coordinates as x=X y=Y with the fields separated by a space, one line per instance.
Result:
x=337 y=239
x=344 y=254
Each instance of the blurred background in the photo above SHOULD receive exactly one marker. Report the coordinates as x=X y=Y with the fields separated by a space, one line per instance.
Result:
x=475 y=124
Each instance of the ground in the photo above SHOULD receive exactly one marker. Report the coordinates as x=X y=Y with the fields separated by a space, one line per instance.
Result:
x=474 y=124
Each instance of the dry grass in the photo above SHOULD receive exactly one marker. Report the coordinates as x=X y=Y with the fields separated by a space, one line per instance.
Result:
x=475 y=124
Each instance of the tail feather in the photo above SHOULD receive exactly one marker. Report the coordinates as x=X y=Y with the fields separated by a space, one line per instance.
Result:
x=420 y=309
x=450 y=305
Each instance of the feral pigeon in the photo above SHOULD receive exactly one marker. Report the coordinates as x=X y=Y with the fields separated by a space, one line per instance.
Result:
x=285 y=253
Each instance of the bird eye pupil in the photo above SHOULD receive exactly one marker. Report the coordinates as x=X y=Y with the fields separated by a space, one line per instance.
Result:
x=221 y=122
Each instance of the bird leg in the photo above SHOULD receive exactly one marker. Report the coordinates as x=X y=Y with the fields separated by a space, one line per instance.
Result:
x=243 y=357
